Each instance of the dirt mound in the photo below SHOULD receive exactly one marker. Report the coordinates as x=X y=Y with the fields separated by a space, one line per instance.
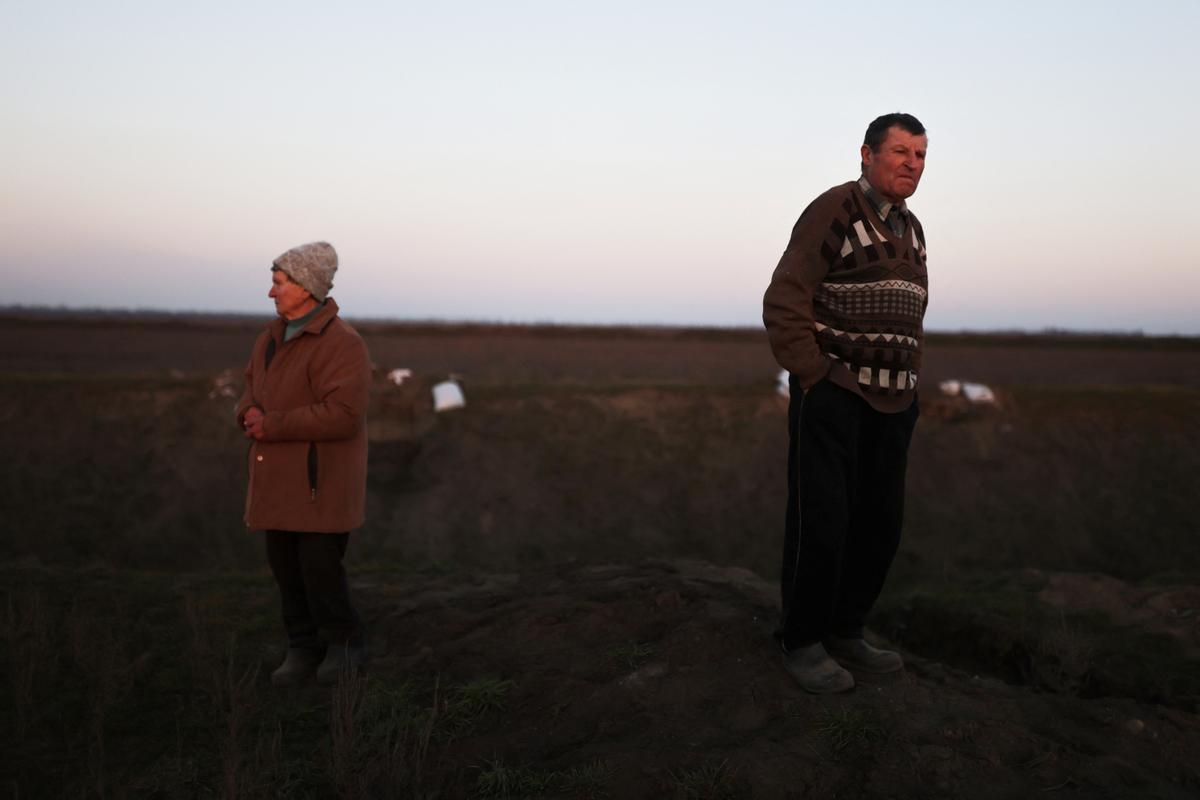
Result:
x=1170 y=610
x=665 y=675
x=657 y=680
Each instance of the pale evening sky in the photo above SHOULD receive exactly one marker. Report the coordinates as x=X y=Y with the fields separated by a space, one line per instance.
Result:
x=614 y=162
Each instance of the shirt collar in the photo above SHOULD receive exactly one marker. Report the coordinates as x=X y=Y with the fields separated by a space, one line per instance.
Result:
x=882 y=206
x=297 y=324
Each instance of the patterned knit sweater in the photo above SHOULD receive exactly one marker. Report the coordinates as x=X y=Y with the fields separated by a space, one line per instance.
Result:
x=848 y=299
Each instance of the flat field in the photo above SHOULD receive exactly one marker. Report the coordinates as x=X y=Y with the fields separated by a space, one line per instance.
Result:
x=569 y=582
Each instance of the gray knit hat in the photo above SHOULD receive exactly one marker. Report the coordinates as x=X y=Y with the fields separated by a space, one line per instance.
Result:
x=311 y=265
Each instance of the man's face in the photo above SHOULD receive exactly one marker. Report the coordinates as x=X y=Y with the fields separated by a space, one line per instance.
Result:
x=895 y=170
x=292 y=300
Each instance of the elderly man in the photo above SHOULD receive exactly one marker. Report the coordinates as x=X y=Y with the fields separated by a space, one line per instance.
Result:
x=844 y=315
x=304 y=408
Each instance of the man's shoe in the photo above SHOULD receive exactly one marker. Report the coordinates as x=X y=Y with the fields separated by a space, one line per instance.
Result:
x=297 y=667
x=857 y=654
x=815 y=671
x=340 y=658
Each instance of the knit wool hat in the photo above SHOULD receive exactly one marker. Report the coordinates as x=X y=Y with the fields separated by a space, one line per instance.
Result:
x=311 y=265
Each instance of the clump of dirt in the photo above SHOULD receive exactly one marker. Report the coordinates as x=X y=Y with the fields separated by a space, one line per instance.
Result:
x=1170 y=610
x=1090 y=636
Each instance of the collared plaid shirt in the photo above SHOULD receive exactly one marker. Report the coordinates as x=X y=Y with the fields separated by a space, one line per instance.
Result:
x=896 y=216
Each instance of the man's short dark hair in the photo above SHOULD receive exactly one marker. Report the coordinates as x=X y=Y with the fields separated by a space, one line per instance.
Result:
x=877 y=130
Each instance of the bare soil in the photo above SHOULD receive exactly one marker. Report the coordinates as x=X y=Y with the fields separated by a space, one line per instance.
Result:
x=707 y=688
x=516 y=355
x=569 y=583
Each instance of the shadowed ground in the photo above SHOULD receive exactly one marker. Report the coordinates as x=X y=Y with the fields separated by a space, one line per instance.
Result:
x=569 y=583
x=624 y=681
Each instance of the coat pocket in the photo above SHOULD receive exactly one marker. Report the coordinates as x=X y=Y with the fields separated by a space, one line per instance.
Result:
x=312 y=471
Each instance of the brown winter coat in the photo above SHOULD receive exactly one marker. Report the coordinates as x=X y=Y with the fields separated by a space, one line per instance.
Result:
x=309 y=472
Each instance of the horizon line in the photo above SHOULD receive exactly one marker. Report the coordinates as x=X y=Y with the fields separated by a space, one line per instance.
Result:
x=46 y=310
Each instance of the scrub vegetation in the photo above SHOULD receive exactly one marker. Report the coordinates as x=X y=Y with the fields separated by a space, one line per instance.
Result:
x=569 y=584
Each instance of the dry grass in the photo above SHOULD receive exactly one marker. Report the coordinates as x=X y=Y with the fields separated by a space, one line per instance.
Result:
x=99 y=659
x=1065 y=656
x=235 y=691
x=29 y=635
x=344 y=713
x=683 y=429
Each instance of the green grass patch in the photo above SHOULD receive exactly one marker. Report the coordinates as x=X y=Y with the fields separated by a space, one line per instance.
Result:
x=503 y=782
x=847 y=728
x=631 y=655
x=469 y=706
x=712 y=780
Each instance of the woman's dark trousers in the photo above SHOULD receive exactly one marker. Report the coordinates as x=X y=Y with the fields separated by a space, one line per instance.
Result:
x=313 y=588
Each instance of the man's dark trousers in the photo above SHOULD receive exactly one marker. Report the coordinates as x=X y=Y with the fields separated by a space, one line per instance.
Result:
x=313 y=588
x=846 y=465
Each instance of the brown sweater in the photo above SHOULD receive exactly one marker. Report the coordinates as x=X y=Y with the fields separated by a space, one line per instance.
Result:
x=309 y=473
x=848 y=298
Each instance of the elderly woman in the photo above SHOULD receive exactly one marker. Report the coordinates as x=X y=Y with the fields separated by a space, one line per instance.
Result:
x=304 y=408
